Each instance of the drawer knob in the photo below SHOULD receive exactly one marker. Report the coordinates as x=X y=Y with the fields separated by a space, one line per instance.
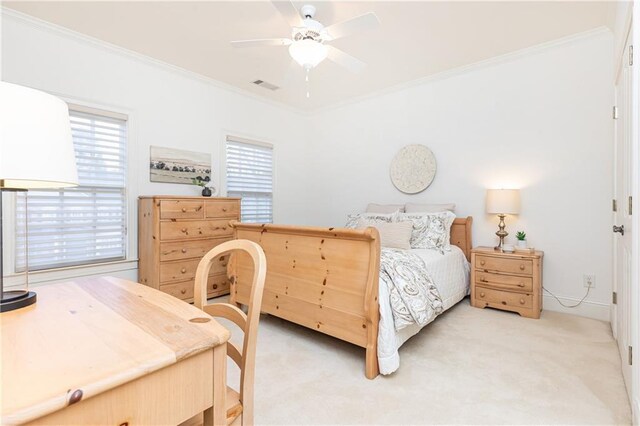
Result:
x=184 y=210
x=215 y=286
x=183 y=291
x=184 y=229
x=482 y=262
x=522 y=267
x=183 y=270
x=184 y=250
x=484 y=280
x=522 y=301
x=482 y=294
x=520 y=284
x=224 y=209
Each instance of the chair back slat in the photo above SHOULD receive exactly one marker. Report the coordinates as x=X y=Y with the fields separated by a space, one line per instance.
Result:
x=247 y=359
x=227 y=311
x=234 y=353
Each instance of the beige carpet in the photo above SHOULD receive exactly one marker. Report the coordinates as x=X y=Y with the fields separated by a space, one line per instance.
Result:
x=470 y=366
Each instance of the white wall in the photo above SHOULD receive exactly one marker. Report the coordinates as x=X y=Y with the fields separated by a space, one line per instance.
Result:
x=166 y=108
x=539 y=121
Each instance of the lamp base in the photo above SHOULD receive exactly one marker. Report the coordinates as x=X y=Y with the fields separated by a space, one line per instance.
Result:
x=501 y=232
x=17 y=299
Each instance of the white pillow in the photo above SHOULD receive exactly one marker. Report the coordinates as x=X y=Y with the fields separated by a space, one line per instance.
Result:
x=392 y=235
x=430 y=230
x=385 y=208
x=429 y=208
x=352 y=219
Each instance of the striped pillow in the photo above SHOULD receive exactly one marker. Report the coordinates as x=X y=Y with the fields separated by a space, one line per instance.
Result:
x=392 y=235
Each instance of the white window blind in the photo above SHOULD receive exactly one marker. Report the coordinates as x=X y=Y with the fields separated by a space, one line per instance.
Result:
x=85 y=224
x=250 y=176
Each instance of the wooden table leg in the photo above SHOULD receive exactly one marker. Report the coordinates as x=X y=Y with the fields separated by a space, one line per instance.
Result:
x=217 y=415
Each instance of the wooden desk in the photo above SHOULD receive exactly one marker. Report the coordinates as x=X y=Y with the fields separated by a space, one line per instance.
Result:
x=110 y=351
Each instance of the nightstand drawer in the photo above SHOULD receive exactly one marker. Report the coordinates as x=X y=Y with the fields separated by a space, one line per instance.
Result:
x=504 y=282
x=502 y=264
x=504 y=298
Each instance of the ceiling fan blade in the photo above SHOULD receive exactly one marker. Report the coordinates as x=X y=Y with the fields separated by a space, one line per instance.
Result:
x=262 y=42
x=344 y=59
x=359 y=23
x=288 y=12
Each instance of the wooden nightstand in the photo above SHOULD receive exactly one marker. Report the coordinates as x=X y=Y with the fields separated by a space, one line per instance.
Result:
x=507 y=281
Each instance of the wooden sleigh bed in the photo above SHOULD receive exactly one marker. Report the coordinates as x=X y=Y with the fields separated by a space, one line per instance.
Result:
x=325 y=279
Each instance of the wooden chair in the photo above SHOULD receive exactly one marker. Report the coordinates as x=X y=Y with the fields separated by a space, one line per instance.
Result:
x=239 y=405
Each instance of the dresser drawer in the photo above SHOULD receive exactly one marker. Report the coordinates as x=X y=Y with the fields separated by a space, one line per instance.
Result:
x=186 y=269
x=508 y=282
x=195 y=229
x=503 y=298
x=217 y=284
x=181 y=209
x=188 y=249
x=502 y=264
x=222 y=209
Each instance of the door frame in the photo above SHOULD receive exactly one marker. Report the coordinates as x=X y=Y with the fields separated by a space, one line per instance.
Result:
x=635 y=148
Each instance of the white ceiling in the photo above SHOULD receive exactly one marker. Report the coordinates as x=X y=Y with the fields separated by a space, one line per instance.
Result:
x=415 y=39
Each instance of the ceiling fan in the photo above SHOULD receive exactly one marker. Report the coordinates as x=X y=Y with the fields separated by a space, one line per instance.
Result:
x=308 y=43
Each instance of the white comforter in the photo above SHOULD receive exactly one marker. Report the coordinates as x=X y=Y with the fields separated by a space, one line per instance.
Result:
x=450 y=274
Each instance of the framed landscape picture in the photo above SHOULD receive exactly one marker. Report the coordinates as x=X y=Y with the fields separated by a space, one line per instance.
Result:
x=178 y=166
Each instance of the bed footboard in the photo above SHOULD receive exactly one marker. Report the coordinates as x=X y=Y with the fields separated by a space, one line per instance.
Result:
x=325 y=279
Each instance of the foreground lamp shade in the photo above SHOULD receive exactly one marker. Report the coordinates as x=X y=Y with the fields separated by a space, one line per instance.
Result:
x=36 y=152
x=36 y=148
x=502 y=202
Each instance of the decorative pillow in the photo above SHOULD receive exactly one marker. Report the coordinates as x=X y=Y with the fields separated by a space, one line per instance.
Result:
x=430 y=230
x=429 y=208
x=352 y=219
x=385 y=208
x=392 y=235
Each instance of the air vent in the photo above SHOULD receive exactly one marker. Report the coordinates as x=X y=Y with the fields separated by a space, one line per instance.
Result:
x=265 y=84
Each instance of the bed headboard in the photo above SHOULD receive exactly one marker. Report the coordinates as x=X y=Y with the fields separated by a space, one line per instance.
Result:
x=461 y=234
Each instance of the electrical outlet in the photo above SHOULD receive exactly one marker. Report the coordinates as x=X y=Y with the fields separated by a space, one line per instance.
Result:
x=589 y=280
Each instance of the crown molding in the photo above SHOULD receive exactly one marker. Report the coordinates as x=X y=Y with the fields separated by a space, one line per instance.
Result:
x=487 y=63
x=58 y=30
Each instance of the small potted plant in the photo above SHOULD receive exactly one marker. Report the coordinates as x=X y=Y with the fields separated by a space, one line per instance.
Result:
x=522 y=239
x=206 y=191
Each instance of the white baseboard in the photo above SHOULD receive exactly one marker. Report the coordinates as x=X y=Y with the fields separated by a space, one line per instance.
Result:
x=595 y=310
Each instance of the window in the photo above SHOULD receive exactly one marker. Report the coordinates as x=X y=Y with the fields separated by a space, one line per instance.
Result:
x=85 y=224
x=250 y=176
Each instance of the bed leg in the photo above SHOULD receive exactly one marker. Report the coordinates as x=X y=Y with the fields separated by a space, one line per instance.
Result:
x=371 y=363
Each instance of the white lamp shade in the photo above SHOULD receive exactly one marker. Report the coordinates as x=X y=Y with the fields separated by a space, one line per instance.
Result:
x=503 y=201
x=308 y=53
x=36 y=147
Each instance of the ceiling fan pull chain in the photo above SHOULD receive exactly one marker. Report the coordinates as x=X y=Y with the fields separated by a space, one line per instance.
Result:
x=306 y=79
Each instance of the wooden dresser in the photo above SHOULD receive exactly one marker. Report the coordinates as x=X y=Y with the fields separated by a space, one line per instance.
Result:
x=507 y=281
x=173 y=235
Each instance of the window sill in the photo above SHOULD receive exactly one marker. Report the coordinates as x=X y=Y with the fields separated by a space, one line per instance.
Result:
x=71 y=272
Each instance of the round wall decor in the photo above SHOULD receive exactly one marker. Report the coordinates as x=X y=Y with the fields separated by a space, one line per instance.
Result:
x=413 y=169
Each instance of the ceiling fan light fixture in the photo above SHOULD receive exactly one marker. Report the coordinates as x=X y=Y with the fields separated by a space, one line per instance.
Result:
x=308 y=53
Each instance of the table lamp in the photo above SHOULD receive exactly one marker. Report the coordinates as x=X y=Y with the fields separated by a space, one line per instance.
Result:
x=36 y=151
x=502 y=202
